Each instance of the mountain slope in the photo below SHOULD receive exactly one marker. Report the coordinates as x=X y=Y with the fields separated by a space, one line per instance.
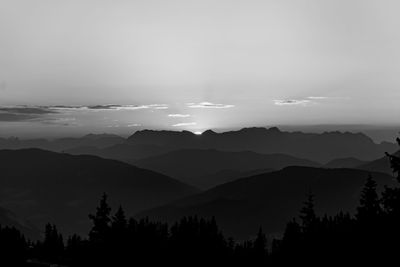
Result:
x=45 y=186
x=317 y=147
x=380 y=165
x=271 y=199
x=201 y=167
x=98 y=141
x=8 y=218
x=345 y=163
x=124 y=152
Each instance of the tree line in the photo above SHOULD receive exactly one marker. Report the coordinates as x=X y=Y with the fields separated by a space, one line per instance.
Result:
x=371 y=235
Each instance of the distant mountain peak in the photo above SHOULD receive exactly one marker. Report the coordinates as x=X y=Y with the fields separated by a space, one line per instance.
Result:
x=253 y=130
x=274 y=129
x=208 y=132
x=260 y=130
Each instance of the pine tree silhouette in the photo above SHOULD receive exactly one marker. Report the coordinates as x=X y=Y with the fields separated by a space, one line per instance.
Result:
x=307 y=213
x=53 y=245
x=395 y=162
x=13 y=247
x=290 y=247
x=260 y=247
x=369 y=208
x=119 y=221
x=101 y=221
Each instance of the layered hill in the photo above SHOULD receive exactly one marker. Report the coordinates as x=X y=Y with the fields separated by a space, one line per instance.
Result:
x=125 y=152
x=96 y=141
x=380 y=165
x=345 y=163
x=208 y=168
x=271 y=199
x=44 y=186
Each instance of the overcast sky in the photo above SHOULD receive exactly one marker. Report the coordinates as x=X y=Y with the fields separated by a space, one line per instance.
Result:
x=194 y=65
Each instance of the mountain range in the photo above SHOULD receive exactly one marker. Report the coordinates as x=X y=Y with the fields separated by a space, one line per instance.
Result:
x=312 y=146
x=251 y=176
x=320 y=148
x=90 y=140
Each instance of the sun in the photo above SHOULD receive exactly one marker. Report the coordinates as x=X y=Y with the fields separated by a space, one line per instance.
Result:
x=197 y=133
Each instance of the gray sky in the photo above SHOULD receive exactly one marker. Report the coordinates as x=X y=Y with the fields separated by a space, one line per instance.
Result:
x=194 y=65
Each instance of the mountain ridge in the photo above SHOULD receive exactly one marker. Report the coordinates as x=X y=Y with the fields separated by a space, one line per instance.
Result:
x=200 y=167
x=270 y=200
x=313 y=146
x=44 y=186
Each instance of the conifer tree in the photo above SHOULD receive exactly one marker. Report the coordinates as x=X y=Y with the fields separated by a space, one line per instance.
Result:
x=307 y=213
x=53 y=245
x=101 y=221
x=369 y=207
x=260 y=246
x=395 y=162
x=391 y=196
x=119 y=221
x=290 y=245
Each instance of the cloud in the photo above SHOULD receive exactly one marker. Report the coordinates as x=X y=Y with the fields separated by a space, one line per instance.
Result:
x=111 y=107
x=178 y=115
x=158 y=106
x=117 y=107
x=208 y=105
x=26 y=110
x=58 y=121
x=10 y=117
x=63 y=107
x=184 y=124
x=23 y=113
x=51 y=114
x=292 y=102
x=304 y=101
x=134 y=125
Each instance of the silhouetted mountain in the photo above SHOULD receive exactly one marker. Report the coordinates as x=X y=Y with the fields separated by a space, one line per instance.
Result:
x=345 y=163
x=271 y=199
x=91 y=140
x=45 y=186
x=380 y=165
x=317 y=147
x=123 y=152
x=201 y=167
x=8 y=218
x=225 y=176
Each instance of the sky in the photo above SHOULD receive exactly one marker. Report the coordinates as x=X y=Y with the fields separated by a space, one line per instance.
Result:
x=79 y=66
